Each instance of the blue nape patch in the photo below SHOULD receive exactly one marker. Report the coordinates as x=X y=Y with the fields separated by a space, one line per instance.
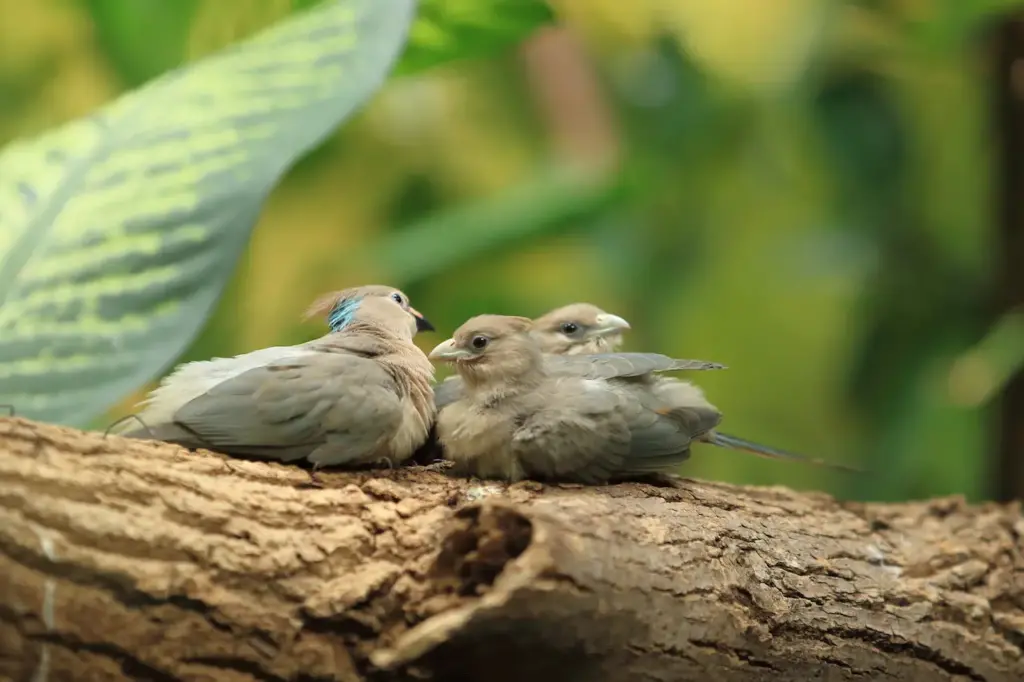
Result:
x=343 y=312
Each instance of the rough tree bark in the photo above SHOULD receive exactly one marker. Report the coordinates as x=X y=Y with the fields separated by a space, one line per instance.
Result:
x=129 y=560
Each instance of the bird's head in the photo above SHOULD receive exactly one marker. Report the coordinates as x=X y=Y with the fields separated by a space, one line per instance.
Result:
x=578 y=328
x=490 y=348
x=346 y=306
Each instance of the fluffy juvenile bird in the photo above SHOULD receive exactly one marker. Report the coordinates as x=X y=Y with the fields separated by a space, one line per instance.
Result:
x=358 y=395
x=587 y=419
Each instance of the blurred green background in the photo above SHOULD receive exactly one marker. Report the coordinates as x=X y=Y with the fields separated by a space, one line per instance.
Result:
x=801 y=189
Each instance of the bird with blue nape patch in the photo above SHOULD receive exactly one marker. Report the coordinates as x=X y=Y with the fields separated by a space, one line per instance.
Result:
x=359 y=395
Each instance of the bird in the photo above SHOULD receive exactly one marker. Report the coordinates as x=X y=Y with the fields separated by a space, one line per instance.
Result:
x=361 y=394
x=582 y=419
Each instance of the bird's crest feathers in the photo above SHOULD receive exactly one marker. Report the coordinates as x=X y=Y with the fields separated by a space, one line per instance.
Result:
x=340 y=306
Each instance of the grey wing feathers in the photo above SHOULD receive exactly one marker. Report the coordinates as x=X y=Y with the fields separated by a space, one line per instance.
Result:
x=595 y=435
x=585 y=440
x=447 y=392
x=696 y=420
x=292 y=409
x=662 y=439
x=674 y=415
x=613 y=365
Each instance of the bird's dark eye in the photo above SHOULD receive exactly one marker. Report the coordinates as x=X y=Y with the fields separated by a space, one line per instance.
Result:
x=479 y=342
x=397 y=297
x=569 y=327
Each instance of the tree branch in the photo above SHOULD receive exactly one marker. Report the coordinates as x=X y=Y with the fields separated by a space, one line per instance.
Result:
x=131 y=560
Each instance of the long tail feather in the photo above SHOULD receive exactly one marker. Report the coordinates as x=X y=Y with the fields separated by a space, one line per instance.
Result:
x=723 y=440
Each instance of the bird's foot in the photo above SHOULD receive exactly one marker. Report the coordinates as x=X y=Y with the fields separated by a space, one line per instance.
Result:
x=126 y=418
x=314 y=480
x=384 y=463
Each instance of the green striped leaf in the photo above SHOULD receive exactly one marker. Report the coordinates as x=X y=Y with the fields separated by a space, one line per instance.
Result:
x=118 y=231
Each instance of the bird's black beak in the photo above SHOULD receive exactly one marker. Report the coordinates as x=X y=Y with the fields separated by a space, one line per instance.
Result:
x=422 y=323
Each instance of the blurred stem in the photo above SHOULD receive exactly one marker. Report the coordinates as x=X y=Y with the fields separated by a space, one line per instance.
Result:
x=985 y=369
x=551 y=200
x=1009 y=281
x=569 y=96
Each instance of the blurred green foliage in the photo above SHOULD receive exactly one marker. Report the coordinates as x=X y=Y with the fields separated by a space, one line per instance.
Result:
x=799 y=189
